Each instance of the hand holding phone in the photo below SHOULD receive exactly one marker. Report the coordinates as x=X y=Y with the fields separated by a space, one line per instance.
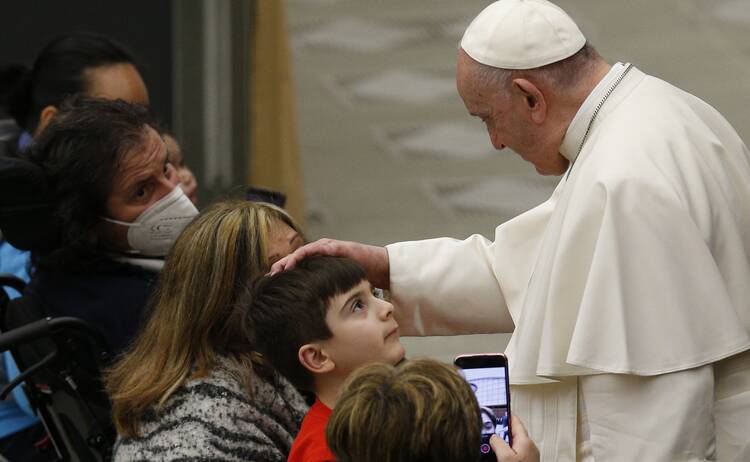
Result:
x=488 y=376
x=523 y=450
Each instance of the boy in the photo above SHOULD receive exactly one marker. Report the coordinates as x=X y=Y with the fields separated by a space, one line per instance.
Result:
x=420 y=411
x=316 y=324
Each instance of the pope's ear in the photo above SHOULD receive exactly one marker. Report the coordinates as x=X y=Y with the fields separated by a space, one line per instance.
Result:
x=45 y=117
x=533 y=99
x=314 y=359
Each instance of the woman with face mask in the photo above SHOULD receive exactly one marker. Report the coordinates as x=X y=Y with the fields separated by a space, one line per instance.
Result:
x=81 y=63
x=98 y=205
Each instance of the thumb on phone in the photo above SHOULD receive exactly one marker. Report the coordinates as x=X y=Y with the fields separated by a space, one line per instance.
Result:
x=503 y=452
x=523 y=448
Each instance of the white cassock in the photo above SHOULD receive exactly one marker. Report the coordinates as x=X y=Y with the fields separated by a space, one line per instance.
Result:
x=629 y=288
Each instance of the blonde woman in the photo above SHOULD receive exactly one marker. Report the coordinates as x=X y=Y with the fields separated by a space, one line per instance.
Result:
x=191 y=385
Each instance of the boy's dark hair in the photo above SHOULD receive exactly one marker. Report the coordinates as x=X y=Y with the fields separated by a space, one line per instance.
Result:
x=77 y=156
x=58 y=73
x=288 y=310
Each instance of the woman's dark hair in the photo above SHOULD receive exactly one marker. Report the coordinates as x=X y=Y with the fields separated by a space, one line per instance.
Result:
x=58 y=72
x=79 y=153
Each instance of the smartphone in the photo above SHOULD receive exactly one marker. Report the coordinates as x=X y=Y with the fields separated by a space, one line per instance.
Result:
x=487 y=375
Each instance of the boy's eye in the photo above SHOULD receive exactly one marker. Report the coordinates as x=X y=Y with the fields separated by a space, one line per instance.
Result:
x=358 y=306
x=378 y=293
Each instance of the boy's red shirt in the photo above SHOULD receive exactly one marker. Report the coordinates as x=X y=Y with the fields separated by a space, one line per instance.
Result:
x=310 y=444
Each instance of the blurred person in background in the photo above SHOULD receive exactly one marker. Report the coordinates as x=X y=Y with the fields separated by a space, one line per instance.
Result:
x=187 y=180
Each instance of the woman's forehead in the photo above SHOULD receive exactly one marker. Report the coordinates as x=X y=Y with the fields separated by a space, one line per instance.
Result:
x=142 y=158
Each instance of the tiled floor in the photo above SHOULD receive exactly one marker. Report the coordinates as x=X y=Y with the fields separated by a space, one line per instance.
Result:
x=388 y=150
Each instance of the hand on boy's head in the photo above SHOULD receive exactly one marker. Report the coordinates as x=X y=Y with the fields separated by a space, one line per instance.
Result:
x=373 y=258
x=319 y=247
x=523 y=450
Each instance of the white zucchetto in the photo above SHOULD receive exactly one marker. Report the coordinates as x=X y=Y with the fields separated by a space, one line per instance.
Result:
x=522 y=34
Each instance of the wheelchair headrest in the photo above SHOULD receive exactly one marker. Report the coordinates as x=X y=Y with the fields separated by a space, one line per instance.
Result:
x=26 y=205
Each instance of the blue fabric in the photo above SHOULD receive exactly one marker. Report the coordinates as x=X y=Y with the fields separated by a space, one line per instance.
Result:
x=24 y=140
x=15 y=262
x=16 y=414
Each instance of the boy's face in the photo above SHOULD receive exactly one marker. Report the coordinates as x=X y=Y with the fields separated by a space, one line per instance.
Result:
x=363 y=328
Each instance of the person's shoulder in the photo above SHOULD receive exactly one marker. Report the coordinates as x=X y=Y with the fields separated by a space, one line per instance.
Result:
x=273 y=404
x=319 y=412
x=311 y=445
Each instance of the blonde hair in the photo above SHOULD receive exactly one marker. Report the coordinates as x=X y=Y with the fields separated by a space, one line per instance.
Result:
x=193 y=318
x=421 y=410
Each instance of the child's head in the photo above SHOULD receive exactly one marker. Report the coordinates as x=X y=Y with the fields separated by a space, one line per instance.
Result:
x=188 y=183
x=321 y=318
x=422 y=410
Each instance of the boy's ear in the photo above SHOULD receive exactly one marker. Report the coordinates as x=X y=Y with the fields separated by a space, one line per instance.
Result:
x=314 y=359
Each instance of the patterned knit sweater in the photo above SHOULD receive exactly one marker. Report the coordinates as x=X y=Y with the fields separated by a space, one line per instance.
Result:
x=212 y=418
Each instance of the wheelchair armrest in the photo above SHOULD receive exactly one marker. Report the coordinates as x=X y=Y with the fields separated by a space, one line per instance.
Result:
x=14 y=282
x=24 y=334
x=44 y=327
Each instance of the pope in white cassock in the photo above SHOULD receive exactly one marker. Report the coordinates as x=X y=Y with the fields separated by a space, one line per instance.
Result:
x=628 y=291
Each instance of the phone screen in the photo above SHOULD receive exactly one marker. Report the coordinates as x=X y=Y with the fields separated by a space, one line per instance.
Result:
x=488 y=377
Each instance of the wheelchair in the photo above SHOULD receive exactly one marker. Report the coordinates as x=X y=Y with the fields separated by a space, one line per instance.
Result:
x=60 y=362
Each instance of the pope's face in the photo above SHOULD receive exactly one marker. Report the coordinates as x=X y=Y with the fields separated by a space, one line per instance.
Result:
x=507 y=120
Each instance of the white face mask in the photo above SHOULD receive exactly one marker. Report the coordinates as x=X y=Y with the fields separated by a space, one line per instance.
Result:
x=156 y=229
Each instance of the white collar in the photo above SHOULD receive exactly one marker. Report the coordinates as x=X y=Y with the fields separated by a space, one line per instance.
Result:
x=577 y=128
x=150 y=264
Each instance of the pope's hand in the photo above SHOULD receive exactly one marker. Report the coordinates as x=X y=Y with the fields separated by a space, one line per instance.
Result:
x=373 y=258
x=523 y=450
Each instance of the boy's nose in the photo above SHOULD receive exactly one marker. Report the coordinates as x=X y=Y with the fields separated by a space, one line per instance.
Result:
x=387 y=309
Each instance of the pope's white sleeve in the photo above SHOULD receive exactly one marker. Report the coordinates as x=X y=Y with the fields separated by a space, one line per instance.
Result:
x=447 y=287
